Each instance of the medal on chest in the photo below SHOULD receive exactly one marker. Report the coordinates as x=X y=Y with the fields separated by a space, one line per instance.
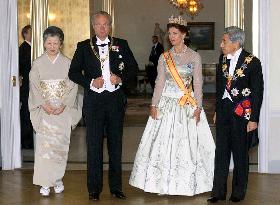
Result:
x=238 y=72
x=101 y=60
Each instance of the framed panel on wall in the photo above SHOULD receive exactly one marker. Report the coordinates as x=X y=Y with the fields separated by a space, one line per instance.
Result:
x=202 y=35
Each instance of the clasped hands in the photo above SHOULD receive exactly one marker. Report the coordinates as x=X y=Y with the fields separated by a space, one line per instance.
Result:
x=196 y=114
x=98 y=82
x=50 y=110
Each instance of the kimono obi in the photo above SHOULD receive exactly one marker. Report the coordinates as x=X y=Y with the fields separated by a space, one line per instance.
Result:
x=53 y=91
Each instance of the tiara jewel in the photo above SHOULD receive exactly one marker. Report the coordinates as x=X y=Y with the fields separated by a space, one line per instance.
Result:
x=179 y=20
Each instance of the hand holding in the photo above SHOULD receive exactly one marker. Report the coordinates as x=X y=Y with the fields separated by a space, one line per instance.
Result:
x=59 y=110
x=196 y=115
x=251 y=126
x=115 y=80
x=153 y=112
x=98 y=82
x=48 y=109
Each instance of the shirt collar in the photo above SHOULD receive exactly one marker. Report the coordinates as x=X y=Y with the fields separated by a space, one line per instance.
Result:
x=99 y=41
x=54 y=59
x=28 y=42
x=235 y=55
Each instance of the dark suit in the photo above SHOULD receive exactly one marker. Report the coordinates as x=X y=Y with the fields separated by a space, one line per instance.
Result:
x=151 y=70
x=231 y=122
x=24 y=69
x=104 y=109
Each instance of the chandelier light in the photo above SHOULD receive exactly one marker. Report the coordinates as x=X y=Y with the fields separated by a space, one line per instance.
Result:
x=190 y=7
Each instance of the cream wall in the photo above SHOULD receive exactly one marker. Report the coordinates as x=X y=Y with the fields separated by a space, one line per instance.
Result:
x=135 y=22
x=248 y=10
x=71 y=16
x=274 y=88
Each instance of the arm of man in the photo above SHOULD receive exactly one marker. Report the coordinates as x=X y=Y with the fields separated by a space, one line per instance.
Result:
x=76 y=68
x=256 y=87
x=131 y=69
x=219 y=86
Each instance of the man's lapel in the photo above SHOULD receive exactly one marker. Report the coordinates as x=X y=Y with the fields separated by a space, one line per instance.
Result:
x=95 y=47
x=112 y=54
x=239 y=64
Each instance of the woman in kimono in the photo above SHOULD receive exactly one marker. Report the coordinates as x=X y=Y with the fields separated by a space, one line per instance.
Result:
x=53 y=111
x=176 y=152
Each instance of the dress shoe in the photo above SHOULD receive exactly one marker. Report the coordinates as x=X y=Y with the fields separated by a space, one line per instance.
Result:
x=214 y=199
x=118 y=194
x=234 y=199
x=93 y=196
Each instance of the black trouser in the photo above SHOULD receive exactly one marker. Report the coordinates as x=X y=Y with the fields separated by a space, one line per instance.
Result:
x=231 y=137
x=25 y=122
x=104 y=110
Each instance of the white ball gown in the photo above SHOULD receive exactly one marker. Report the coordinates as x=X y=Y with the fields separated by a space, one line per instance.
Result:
x=176 y=155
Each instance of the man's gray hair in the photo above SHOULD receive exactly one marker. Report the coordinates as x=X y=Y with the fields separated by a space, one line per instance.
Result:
x=235 y=34
x=101 y=13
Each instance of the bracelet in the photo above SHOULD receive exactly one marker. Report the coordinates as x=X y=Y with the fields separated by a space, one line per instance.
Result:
x=153 y=105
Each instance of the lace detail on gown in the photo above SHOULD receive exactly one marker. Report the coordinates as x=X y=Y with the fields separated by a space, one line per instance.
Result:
x=188 y=63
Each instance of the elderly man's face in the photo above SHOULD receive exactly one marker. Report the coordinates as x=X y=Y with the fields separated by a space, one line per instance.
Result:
x=227 y=46
x=101 y=26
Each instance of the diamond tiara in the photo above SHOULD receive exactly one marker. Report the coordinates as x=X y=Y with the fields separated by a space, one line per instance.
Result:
x=179 y=20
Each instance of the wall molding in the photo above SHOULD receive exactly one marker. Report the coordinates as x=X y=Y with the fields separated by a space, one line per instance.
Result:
x=263 y=11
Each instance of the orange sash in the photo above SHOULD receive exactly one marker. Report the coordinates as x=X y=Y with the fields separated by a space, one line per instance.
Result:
x=186 y=98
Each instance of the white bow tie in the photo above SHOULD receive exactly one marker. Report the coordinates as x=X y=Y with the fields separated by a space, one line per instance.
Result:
x=99 y=42
x=229 y=56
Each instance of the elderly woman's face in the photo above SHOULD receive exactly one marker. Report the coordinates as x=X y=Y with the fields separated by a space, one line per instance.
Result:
x=176 y=37
x=52 y=45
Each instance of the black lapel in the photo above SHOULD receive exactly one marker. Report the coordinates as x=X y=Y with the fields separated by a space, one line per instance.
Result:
x=238 y=64
x=227 y=61
x=95 y=47
x=112 y=54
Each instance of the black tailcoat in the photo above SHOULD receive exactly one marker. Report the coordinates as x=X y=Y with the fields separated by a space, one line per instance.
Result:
x=24 y=69
x=246 y=92
x=103 y=110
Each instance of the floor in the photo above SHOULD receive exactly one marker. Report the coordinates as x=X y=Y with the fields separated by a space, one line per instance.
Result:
x=16 y=188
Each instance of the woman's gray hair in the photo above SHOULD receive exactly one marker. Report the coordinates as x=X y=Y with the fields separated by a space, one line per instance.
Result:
x=101 y=13
x=53 y=31
x=235 y=34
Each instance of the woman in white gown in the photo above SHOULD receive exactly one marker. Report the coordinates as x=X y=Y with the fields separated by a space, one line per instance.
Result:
x=176 y=152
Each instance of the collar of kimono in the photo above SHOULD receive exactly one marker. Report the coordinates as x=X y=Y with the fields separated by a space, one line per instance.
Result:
x=186 y=98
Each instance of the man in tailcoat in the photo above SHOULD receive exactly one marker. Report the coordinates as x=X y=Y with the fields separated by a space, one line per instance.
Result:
x=103 y=65
x=238 y=102
x=151 y=70
x=24 y=69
